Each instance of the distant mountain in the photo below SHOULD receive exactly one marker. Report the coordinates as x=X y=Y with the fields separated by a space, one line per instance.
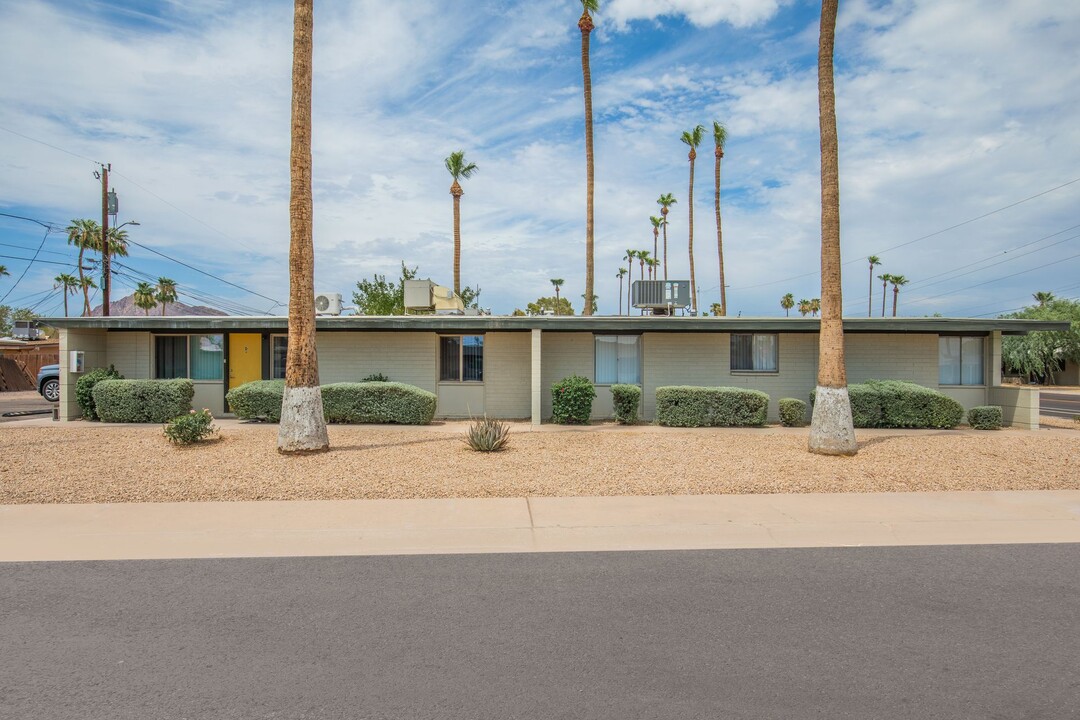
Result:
x=126 y=306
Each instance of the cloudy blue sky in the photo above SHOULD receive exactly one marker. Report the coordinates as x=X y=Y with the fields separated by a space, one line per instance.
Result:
x=959 y=144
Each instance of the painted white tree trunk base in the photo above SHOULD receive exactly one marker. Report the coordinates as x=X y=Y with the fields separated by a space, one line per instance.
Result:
x=303 y=425
x=832 y=431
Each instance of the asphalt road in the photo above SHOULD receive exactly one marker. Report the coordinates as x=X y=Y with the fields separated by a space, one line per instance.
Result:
x=22 y=403
x=882 y=633
x=1062 y=405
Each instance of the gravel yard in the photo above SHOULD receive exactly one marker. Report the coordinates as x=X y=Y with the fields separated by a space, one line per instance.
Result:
x=89 y=463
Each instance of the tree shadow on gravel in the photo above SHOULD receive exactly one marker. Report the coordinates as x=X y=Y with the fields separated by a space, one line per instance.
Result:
x=404 y=443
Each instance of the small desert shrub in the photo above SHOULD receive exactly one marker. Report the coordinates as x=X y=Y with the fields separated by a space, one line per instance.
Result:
x=143 y=401
x=899 y=404
x=488 y=435
x=985 y=417
x=792 y=412
x=376 y=377
x=571 y=400
x=191 y=428
x=378 y=402
x=84 y=389
x=626 y=399
x=688 y=406
x=258 y=400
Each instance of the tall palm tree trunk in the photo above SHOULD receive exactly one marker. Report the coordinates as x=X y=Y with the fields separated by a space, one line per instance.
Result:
x=895 y=295
x=664 y=212
x=85 y=287
x=457 y=192
x=690 y=243
x=586 y=26
x=303 y=426
x=719 y=154
x=831 y=430
x=884 y=294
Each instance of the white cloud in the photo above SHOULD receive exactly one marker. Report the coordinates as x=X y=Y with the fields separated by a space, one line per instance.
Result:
x=703 y=13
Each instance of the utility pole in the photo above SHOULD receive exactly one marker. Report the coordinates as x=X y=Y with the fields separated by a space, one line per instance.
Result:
x=106 y=270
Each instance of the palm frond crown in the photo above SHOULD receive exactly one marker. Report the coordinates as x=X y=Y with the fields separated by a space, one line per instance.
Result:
x=719 y=133
x=458 y=168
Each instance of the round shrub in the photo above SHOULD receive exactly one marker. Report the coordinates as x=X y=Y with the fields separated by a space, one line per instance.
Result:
x=378 y=402
x=792 y=412
x=191 y=428
x=258 y=400
x=143 y=401
x=84 y=390
x=626 y=399
x=985 y=417
x=571 y=400
x=688 y=406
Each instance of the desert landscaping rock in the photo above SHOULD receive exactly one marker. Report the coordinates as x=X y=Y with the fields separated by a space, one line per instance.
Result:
x=90 y=463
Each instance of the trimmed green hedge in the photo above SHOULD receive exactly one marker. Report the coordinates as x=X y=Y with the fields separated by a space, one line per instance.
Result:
x=258 y=400
x=143 y=401
x=361 y=402
x=687 y=406
x=792 y=412
x=571 y=400
x=626 y=399
x=378 y=402
x=84 y=389
x=985 y=417
x=899 y=404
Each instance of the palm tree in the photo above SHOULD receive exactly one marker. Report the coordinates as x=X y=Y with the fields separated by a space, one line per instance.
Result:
x=144 y=297
x=665 y=202
x=720 y=138
x=884 y=278
x=898 y=281
x=832 y=431
x=642 y=256
x=302 y=428
x=4 y=271
x=652 y=263
x=458 y=168
x=693 y=139
x=585 y=24
x=166 y=292
x=804 y=307
x=557 y=282
x=85 y=235
x=815 y=307
x=621 y=274
x=629 y=257
x=68 y=282
x=787 y=302
x=656 y=223
x=874 y=260
x=1043 y=298
x=85 y=284
x=716 y=309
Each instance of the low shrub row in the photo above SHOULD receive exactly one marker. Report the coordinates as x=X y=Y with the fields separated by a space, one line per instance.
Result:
x=985 y=417
x=898 y=404
x=142 y=401
x=84 y=389
x=368 y=401
x=687 y=406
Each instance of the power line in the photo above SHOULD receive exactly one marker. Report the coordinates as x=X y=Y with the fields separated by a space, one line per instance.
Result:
x=54 y=147
x=918 y=239
x=27 y=268
x=1003 y=277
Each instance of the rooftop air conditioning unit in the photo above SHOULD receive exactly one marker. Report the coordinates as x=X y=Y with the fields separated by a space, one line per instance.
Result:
x=657 y=294
x=328 y=304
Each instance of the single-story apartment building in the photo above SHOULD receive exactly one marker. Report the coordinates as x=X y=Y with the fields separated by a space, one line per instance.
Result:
x=504 y=367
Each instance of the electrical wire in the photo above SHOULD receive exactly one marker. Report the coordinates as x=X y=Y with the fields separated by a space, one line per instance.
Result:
x=27 y=268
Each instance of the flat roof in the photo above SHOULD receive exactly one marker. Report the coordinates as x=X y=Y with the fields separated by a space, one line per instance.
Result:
x=596 y=323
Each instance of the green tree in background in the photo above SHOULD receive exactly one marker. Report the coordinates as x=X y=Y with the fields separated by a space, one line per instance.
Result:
x=1040 y=354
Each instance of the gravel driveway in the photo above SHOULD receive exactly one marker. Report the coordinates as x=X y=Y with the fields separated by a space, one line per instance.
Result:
x=92 y=463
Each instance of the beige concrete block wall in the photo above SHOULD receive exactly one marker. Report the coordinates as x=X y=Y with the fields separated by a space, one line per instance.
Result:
x=507 y=374
x=566 y=354
x=1019 y=405
x=406 y=357
x=797 y=356
x=130 y=353
x=94 y=345
x=913 y=358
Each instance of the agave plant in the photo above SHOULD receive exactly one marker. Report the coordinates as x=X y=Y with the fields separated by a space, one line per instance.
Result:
x=488 y=435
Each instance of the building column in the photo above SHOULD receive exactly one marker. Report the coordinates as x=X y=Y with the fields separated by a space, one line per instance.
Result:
x=995 y=358
x=537 y=386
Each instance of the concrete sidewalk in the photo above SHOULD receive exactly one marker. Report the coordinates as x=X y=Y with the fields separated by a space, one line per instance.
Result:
x=508 y=525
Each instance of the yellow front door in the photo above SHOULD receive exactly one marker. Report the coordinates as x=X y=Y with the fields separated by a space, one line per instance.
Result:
x=245 y=358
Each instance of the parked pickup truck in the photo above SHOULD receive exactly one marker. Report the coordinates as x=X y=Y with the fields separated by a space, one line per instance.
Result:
x=48 y=382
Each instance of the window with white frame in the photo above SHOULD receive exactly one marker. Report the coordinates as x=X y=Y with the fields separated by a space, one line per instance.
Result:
x=618 y=359
x=754 y=352
x=461 y=358
x=199 y=357
x=960 y=360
